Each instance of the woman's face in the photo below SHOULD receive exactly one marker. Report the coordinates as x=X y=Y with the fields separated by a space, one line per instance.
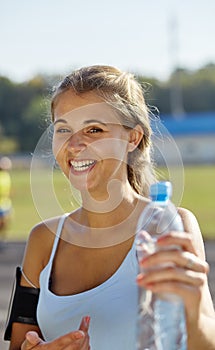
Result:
x=89 y=143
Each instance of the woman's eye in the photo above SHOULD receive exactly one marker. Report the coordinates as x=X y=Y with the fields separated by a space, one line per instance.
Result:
x=62 y=130
x=94 y=130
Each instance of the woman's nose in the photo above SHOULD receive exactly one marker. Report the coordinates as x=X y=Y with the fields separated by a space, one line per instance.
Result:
x=77 y=142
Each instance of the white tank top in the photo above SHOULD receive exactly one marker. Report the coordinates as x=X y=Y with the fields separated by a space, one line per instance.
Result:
x=112 y=306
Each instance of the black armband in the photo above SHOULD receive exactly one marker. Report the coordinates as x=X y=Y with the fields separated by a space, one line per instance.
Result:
x=22 y=306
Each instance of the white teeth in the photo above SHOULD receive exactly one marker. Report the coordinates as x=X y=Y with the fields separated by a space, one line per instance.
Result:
x=81 y=165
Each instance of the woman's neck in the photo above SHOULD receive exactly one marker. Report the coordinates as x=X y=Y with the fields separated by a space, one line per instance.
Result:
x=117 y=201
x=103 y=227
x=97 y=230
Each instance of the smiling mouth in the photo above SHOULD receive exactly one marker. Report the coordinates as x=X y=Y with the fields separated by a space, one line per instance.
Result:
x=82 y=165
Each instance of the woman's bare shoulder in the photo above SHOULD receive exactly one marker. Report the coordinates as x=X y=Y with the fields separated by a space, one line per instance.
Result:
x=189 y=220
x=42 y=234
x=38 y=249
x=191 y=226
x=44 y=231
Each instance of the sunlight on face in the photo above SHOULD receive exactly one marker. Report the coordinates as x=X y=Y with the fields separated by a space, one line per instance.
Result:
x=90 y=145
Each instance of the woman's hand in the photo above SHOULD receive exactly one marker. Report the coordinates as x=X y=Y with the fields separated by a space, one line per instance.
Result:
x=178 y=271
x=76 y=340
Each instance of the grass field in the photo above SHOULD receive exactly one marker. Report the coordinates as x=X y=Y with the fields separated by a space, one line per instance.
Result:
x=198 y=196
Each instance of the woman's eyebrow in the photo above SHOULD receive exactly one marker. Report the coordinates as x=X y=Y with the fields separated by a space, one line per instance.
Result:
x=60 y=121
x=94 y=121
x=90 y=121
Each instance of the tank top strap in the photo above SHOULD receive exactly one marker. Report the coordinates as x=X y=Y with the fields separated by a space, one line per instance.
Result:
x=57 y=235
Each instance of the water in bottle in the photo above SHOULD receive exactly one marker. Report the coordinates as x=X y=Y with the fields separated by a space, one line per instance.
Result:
x=161 y=323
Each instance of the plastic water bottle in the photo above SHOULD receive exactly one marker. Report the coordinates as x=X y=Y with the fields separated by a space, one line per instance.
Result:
x=161 y=323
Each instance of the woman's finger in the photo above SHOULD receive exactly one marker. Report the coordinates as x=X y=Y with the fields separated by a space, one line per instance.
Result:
x=171 y=275
x=31 y=340
x=181 y=239
x=190 y=294
x=70 y=340
x=85 y=323
x=163 y=258
x=82 y=344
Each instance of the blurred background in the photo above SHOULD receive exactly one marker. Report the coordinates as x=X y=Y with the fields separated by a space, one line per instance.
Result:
x=167 y=44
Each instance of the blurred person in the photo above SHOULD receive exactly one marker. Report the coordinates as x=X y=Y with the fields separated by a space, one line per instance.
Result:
x=5 y=193
x=78 y=284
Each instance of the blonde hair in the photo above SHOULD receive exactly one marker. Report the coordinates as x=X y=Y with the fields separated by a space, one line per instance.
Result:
x=123 y=92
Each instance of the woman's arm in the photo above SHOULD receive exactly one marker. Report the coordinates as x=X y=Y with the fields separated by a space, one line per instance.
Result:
x=19 y=331
x=189 y=282
x=36 y=257
x=201 y=335
x=77 y=340
x=37 y=252
x=191 y=225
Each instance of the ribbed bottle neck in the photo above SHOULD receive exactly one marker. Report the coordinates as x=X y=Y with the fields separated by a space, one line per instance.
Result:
x=159 y=197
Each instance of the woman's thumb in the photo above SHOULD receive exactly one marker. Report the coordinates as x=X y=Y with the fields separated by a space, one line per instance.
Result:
x=84 y=325
x=32 y=339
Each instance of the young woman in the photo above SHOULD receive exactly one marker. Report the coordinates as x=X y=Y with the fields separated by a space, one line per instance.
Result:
x=80 y=271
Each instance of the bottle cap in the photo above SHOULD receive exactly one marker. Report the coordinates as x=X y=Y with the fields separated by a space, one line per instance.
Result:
x=161 y=191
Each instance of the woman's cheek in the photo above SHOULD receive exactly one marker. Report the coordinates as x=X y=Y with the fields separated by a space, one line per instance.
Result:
x=57 y=146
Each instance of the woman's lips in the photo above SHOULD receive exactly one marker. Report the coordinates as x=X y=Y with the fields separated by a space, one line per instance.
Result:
x=81 y=166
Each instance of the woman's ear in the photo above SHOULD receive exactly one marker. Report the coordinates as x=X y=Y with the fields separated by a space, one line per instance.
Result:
x=135 y=137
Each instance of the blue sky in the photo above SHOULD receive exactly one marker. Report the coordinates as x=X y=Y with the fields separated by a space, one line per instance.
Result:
x=143 y=36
